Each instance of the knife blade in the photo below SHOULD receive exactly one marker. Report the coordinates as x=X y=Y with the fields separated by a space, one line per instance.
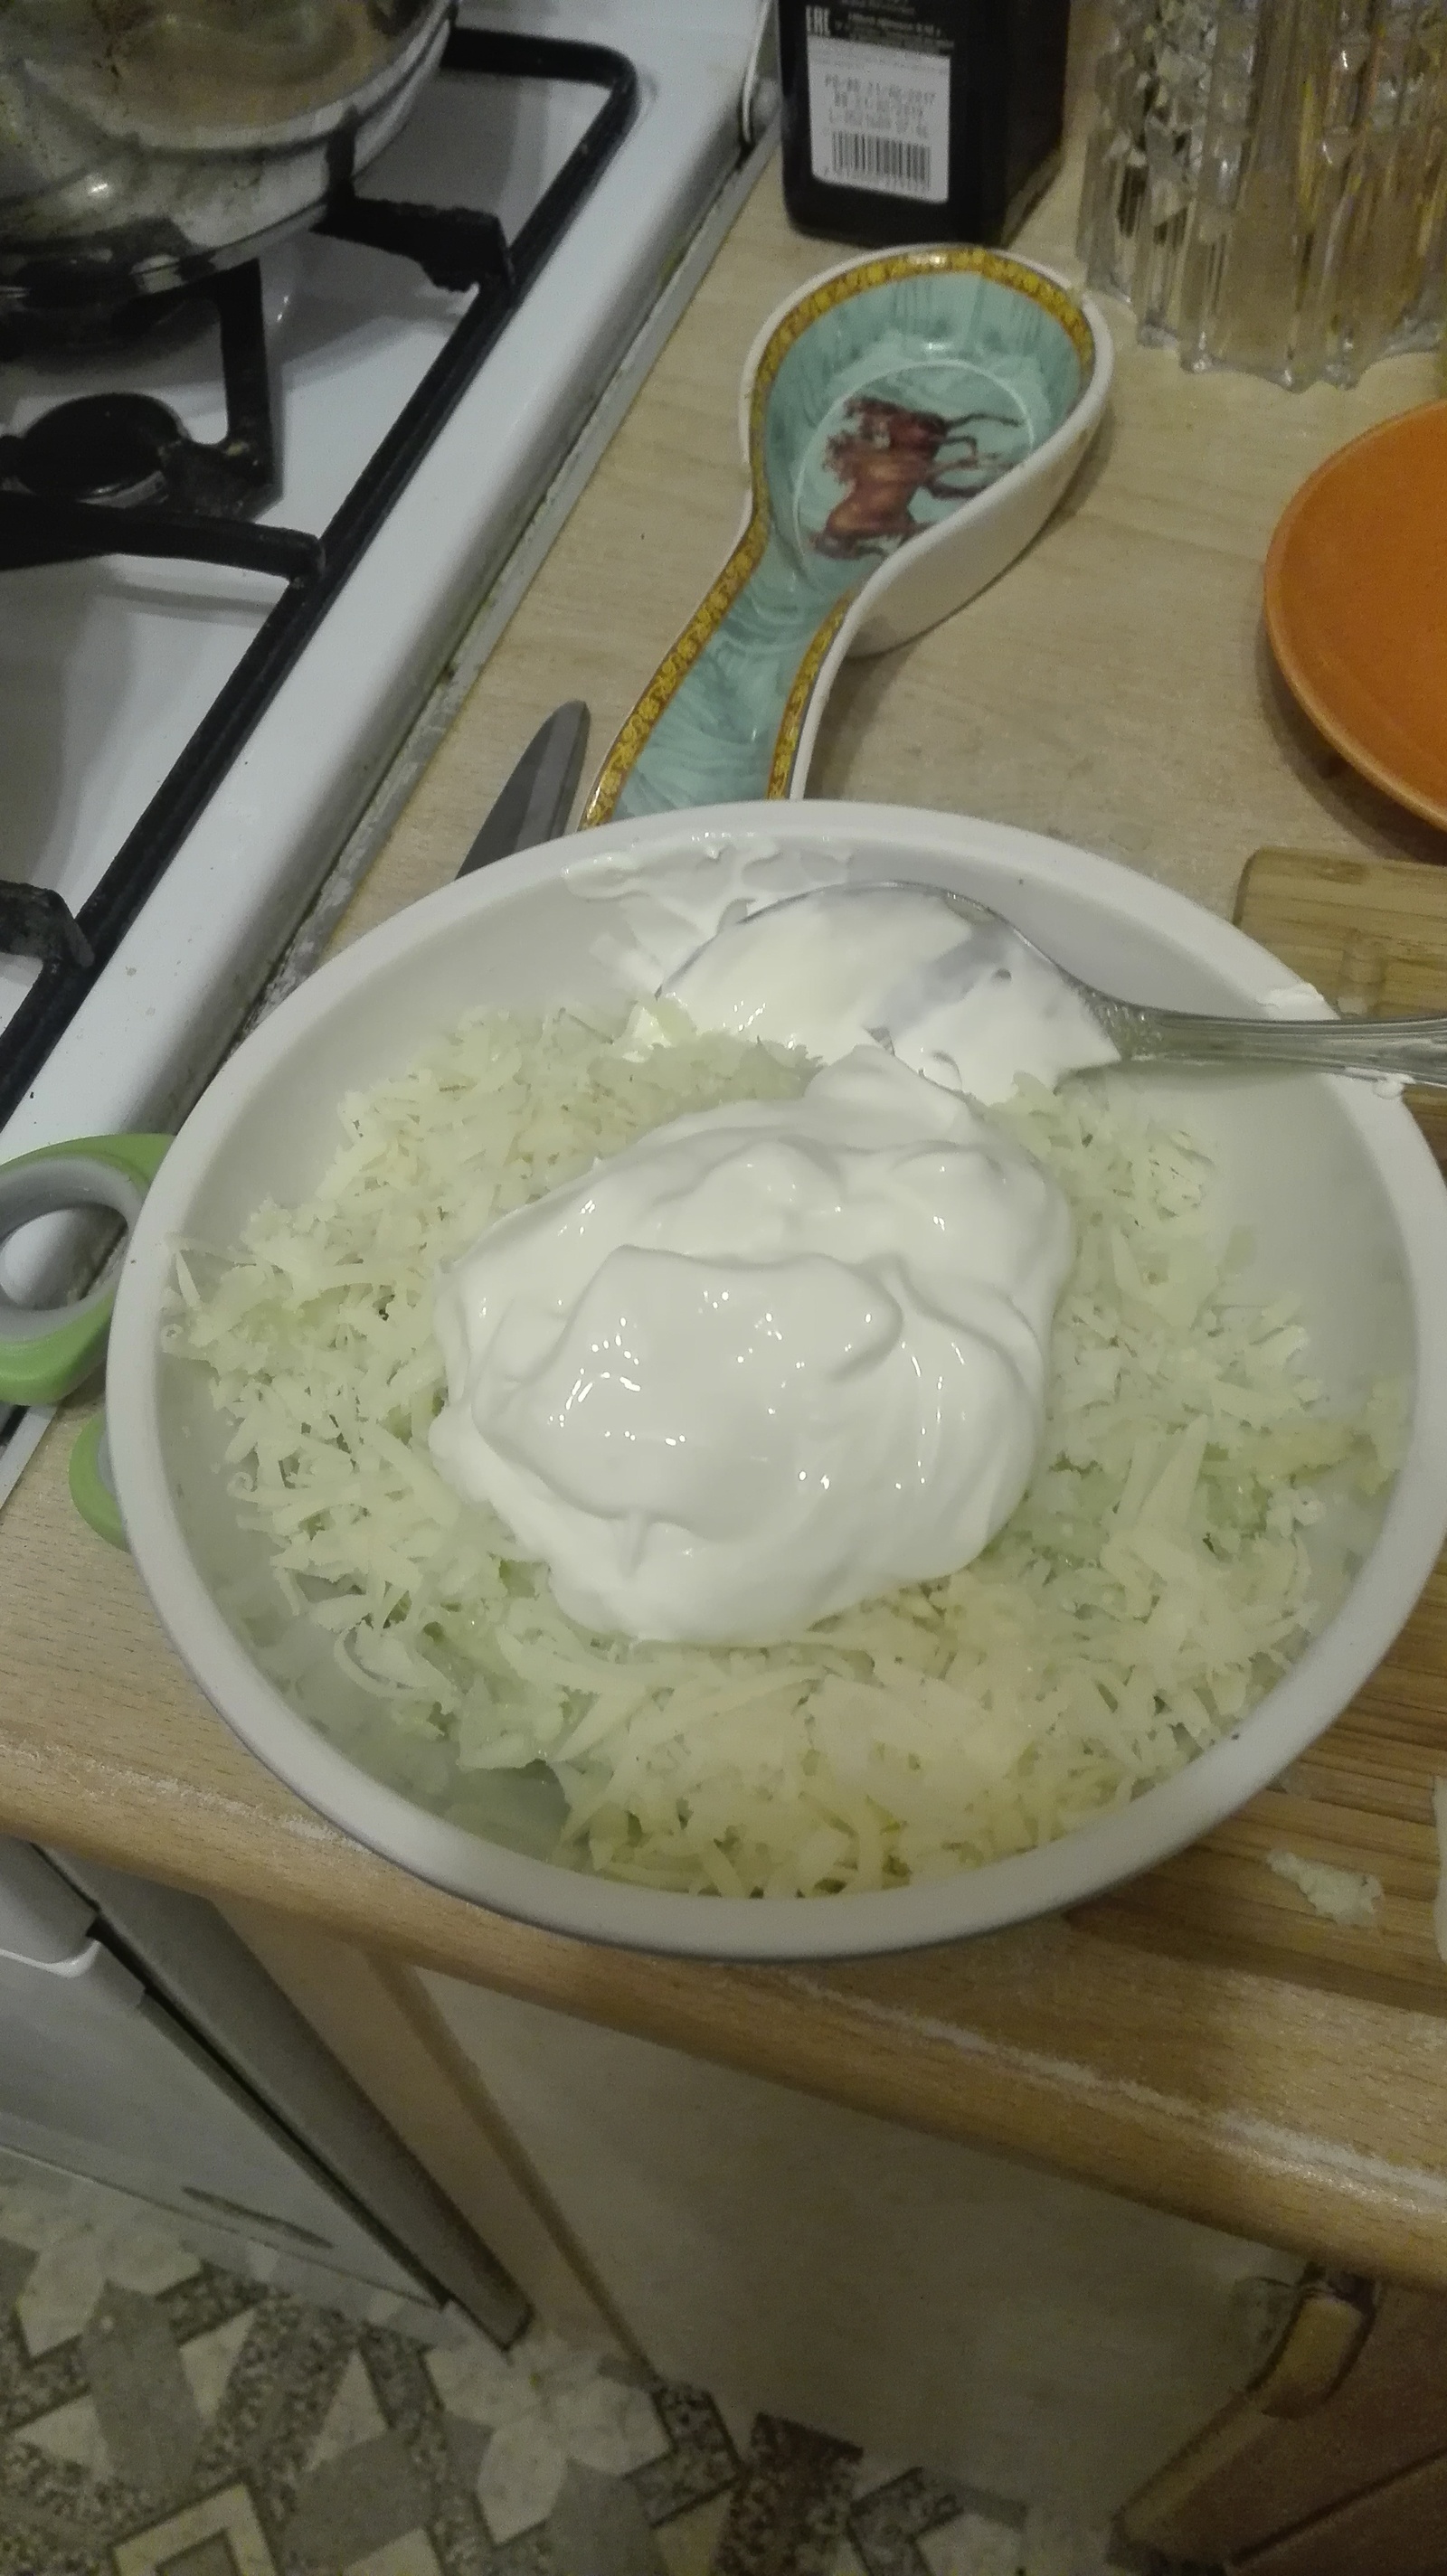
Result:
x=21 y=1431
x=538 y=797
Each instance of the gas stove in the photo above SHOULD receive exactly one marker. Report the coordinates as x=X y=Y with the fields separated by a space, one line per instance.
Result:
x=239 y=540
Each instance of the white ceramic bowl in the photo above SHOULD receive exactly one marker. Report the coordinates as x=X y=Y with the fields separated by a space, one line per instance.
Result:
x=1343 y=1197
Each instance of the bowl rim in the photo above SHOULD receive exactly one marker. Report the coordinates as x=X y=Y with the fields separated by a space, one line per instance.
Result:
x=560 y=1900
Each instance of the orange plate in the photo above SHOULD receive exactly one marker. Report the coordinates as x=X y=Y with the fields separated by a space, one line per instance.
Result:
x=1356 y=605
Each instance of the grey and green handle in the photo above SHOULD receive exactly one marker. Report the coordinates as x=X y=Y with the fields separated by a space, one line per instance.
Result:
x=46 y=1352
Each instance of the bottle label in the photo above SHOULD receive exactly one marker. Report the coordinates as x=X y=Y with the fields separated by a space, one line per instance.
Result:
x=879 y=98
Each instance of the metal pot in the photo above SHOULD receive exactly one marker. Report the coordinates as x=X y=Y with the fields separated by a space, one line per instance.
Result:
x=144 y=143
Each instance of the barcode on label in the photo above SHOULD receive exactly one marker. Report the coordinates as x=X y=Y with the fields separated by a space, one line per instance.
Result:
x=879 y=118
x=872 y=157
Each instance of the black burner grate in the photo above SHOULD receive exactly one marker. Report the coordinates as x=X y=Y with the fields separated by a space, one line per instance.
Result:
x=114 y=474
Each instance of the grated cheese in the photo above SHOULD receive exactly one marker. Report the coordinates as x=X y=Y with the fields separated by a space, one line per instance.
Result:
x=1348 y=1896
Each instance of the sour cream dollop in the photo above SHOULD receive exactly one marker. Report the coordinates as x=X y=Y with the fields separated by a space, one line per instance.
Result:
x=970 y=1006
x=769 y=1361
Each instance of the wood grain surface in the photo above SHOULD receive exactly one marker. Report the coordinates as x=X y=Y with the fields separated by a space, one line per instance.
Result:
x=1399 y=2529
x=1112 y=690
x=1254 y=2473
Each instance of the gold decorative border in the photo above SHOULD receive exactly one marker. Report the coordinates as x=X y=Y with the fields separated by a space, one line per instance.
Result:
x=748 y=553
x=796 y=705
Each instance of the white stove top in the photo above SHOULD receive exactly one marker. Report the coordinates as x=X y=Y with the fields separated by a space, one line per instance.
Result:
x=106 y=668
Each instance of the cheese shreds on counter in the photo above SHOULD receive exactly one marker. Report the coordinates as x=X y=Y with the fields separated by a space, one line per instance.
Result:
x=1348 y=1896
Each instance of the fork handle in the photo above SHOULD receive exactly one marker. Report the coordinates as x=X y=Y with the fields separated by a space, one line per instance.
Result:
x=1411 y=1051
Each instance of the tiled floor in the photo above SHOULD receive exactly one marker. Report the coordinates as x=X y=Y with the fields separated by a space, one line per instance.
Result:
x=162 y=2417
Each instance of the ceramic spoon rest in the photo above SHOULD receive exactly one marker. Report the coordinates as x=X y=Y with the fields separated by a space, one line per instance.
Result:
x=909 y=422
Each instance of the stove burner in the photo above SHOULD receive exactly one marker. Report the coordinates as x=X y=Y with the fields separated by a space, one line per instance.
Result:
x=99 y=447
x=128 y=453
x=119 y=474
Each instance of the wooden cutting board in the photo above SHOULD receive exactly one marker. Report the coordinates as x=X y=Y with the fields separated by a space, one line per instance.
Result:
x=1372 y=936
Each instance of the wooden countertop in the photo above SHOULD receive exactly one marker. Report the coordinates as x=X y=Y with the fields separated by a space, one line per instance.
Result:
x=1115 y=690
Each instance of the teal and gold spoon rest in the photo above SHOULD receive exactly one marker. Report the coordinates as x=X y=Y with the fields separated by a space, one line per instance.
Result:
x=909 y=422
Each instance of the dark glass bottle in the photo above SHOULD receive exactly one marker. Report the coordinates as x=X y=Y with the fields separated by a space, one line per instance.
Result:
x=920 y=120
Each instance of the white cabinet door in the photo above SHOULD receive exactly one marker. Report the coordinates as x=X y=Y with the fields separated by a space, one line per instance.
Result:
x=935 y=2305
